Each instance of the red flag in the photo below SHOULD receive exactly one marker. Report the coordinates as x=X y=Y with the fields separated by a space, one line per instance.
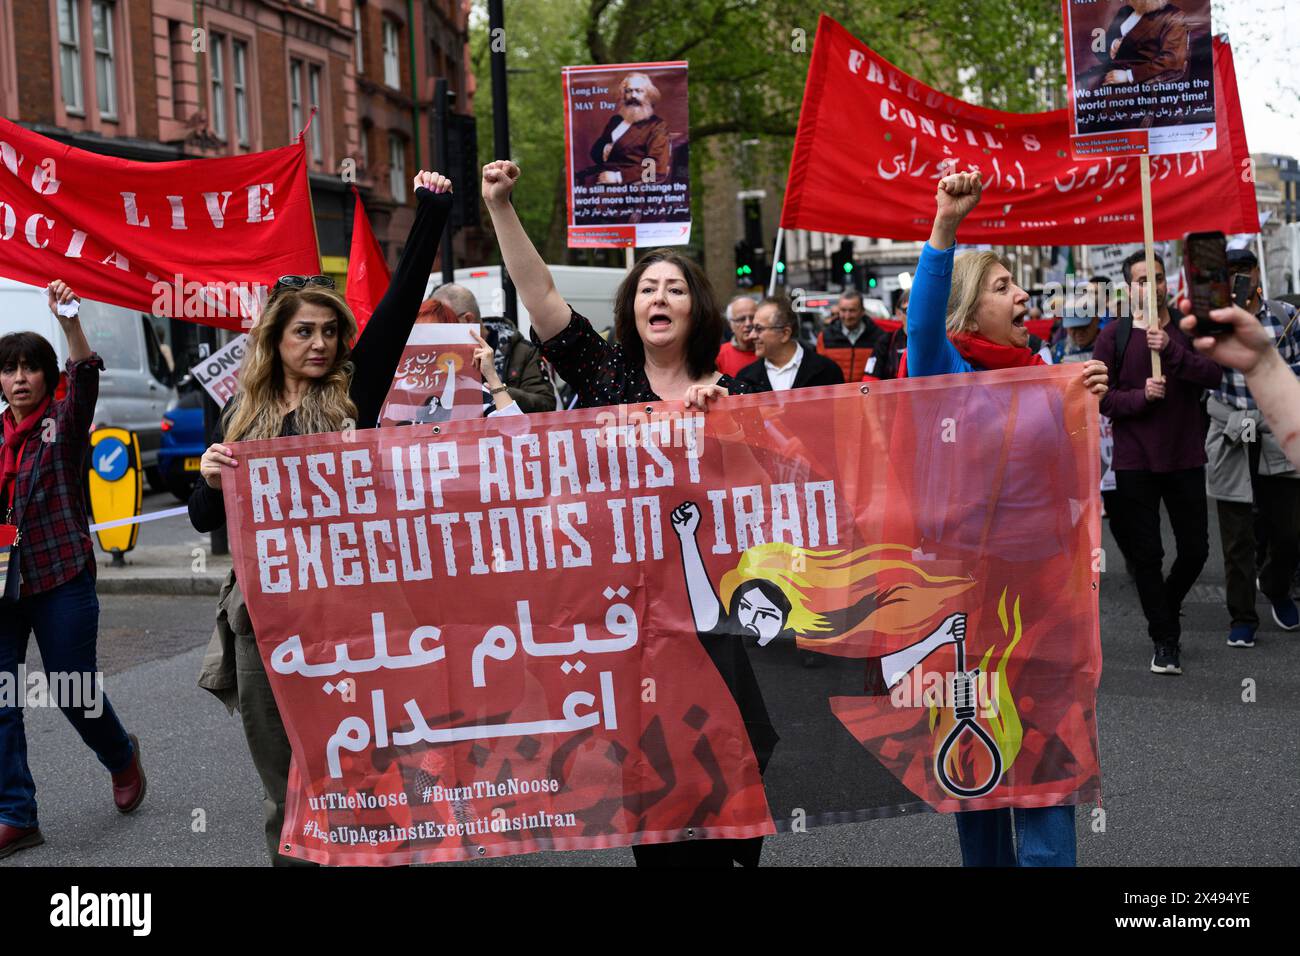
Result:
x=368 y=273
x=199 y=240
x=873 y=141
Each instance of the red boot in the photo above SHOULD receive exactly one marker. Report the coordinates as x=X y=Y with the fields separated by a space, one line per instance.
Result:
x=129 y=784
x=13 y=839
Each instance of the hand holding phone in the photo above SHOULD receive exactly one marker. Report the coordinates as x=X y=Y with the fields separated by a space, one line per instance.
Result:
x=1205 y=263
x=1242 y=289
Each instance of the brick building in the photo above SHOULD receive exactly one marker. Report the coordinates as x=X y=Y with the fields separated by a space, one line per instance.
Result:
x=161 y=80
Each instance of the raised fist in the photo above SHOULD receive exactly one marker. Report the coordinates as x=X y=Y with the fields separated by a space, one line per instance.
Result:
x=953 y=628
x=60 y=294
x=431 y=181
x=686 y=518
x=498 y=180
x=957 y=195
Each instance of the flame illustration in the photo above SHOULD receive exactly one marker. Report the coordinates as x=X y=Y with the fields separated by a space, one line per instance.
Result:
x=875 y=590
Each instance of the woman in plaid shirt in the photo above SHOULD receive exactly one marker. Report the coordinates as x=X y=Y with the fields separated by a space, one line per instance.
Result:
x=42 y=467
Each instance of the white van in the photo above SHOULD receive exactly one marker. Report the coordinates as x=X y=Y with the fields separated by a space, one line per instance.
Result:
x=589 y=289
x=135 y=387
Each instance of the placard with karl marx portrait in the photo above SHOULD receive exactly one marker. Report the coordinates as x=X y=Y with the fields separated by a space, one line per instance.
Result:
x=1140 y=75
x=627 y=153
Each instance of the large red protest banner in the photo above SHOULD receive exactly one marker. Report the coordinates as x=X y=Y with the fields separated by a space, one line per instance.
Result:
x=588 y=629
x=872 y=143
x=199 y=240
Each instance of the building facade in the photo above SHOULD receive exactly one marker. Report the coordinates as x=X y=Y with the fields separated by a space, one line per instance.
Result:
x=157 y=80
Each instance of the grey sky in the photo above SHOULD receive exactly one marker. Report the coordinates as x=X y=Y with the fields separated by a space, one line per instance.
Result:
x=1265 y=35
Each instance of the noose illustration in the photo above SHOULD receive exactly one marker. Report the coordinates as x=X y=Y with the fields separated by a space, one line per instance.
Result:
x=963 y=710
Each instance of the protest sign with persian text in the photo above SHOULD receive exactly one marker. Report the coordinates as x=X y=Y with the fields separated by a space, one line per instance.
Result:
x=589 y=629
x=873 y=143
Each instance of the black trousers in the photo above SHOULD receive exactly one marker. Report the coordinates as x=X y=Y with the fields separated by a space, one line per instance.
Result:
x=1139 y=494
x=1274 y=522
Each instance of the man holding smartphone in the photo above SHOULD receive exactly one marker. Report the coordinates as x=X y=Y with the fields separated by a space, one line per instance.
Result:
x=1159 y=454
x=1255 y=488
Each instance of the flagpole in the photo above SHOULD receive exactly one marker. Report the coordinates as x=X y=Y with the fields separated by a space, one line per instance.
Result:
x=501 y=128
x=1263 y=271
x=776 y=257
x=1148 y=229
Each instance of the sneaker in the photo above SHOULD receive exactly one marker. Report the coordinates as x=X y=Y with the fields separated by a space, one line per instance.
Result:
x=1285 y=614
x=1242 y=635
x=1165 y=660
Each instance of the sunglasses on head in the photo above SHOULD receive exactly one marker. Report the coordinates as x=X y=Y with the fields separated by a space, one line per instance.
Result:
x=300 y=282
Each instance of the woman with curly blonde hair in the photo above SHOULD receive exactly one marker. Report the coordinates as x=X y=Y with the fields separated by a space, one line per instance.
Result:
x=302 y=375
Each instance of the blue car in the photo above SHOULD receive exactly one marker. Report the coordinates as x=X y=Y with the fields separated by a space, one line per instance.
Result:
x=183 y=441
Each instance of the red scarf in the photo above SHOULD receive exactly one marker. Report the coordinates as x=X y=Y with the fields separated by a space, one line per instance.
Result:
x=986 y=354
x=15 y=436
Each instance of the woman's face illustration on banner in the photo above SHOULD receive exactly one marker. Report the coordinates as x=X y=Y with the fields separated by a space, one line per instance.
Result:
x=310 y=341
x=663 y=307
x=757 y=615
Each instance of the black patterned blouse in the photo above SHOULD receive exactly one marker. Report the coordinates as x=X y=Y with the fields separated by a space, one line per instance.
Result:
x=600 y=371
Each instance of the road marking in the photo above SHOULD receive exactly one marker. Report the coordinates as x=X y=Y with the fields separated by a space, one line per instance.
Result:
x=140 y=519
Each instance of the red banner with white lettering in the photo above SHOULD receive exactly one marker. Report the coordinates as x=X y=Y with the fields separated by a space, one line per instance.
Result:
x=628 y=625
x=200 y=240
x=873 y=142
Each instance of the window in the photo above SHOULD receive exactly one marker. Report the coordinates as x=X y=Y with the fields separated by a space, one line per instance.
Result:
x=101 y=23
x=392 y=67
x=179 y=40
x=70 y=54
x=228 y=65
x=295 y=96
x=219 y=85
x=365 y=147
x=313 y=100
x=240 y=81
x=397 y=168
x=357 y=41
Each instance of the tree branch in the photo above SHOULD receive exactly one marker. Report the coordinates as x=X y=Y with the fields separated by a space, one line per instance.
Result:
x=595 y=42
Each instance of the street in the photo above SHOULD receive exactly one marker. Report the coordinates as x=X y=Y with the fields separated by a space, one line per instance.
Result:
x=1191 y=774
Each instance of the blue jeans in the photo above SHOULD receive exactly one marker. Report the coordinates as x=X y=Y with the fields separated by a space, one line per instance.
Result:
x=66 y=622
x=1044 y=837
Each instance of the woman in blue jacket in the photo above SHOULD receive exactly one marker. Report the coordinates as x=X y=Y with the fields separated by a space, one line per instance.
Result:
x=966 y=314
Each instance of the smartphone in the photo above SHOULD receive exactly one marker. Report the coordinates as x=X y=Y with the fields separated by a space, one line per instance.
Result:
x=1205 y=263
x=1242 y=289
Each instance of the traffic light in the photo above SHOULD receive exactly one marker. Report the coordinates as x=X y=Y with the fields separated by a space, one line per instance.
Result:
x=780 y=272
x=744 y=264
x=842 y=263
